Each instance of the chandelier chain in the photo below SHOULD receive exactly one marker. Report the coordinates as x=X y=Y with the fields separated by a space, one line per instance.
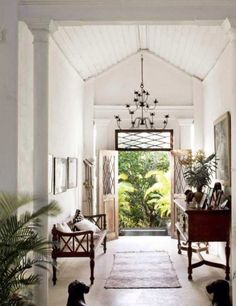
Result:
x=141 y=104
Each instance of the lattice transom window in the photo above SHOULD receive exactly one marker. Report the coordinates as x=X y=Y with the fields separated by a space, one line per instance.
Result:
x=157 y=140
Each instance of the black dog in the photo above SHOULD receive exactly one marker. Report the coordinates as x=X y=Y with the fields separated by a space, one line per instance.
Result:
x=220 y=290
x=76 y=292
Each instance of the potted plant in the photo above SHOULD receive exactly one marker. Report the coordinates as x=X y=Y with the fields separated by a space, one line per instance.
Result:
x=198 y=171
x=21 y=248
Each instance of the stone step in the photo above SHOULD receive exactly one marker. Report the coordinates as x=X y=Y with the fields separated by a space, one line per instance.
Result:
x=144 y=232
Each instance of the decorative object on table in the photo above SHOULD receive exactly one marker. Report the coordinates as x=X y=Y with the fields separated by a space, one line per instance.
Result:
x=203 y=202
x=145 y=119
x=216 y=195
x=226 y=203
x=72 y=168
x=222 y=136
x=198 y=171
x=143 y=269
x=60 y=175
x=189 y=195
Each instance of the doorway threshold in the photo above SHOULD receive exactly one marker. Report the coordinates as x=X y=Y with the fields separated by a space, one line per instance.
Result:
x=144 y=232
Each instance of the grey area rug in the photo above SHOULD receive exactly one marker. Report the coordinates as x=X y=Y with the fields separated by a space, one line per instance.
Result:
x=142 y=270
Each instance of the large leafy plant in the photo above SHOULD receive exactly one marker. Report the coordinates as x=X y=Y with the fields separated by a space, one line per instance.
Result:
x=21 y=248
x=143 y=202
x=199 y=169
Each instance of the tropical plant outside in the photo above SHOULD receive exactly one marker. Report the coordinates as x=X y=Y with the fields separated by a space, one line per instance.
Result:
x=21 y=248
x=144 y=189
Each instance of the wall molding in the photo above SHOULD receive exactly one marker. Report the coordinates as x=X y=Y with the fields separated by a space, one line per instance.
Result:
x=138 y=3
x=159 y=107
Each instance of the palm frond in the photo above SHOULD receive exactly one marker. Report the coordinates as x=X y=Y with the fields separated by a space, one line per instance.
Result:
x=9 y=203
x=21 y=247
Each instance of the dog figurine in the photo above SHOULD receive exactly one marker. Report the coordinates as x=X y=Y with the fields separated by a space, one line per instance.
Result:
x=76 y=291
x=220 y=290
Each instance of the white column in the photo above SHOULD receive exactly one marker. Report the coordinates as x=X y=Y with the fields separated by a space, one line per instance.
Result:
x=89 y=119
x=198 y=114
x=40 y=33
x=186 y=133
x=89 y=137
x=230 y=27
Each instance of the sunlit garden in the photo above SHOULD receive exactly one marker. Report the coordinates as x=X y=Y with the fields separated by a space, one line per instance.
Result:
x=144 y=189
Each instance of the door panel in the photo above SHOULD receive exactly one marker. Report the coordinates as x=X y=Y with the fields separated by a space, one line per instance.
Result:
x=108 y=195
x=178 y=184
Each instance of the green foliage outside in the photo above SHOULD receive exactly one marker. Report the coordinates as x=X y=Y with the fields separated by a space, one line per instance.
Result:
x=144 y=189
x=21 y=248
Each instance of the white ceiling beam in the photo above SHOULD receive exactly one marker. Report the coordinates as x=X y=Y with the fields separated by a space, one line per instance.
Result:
x=132 y=10
x=207 y=22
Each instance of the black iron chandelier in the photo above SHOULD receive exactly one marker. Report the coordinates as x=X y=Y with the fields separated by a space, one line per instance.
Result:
x=145 y=119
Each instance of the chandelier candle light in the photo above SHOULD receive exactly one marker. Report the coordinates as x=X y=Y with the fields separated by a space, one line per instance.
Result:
x=146 y=118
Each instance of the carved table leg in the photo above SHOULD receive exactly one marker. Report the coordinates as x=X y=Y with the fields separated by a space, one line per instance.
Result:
x=179 y=244
x=227 y=254
x=190 y=260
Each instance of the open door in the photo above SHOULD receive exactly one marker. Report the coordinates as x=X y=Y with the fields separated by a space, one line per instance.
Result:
x=178 y=184
x=108 y=193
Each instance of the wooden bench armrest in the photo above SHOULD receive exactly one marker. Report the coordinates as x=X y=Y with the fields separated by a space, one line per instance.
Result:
x=99 y=220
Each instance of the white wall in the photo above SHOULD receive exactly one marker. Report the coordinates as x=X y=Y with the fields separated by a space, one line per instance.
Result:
x=65 y=122
x=171 y=87
x=25 y=113
x=8 y=95
x=65 y=118
x=165 y=82
x=218 y=98
x=88 y=119
x=25 y=110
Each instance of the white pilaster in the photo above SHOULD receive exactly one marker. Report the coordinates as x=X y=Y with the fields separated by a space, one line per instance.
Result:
x=40 y=31
x=89 y=119
x=89 y=137
x=230 y=27
x=186 y=133
x=198 y=114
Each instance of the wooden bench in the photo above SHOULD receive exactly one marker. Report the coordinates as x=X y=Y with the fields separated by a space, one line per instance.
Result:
x=79 y=243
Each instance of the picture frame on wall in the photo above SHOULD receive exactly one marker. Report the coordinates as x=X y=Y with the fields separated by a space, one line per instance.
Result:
x=60 y=175
x=50 y=173
x=222 y=138
x=72 y=172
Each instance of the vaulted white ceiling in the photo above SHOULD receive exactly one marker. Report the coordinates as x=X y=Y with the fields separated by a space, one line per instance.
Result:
x=92 y=49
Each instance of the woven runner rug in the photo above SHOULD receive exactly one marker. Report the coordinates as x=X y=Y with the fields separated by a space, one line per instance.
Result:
x=142 y=270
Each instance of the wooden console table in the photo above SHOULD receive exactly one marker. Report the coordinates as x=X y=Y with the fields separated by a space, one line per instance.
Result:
x=197 y=225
